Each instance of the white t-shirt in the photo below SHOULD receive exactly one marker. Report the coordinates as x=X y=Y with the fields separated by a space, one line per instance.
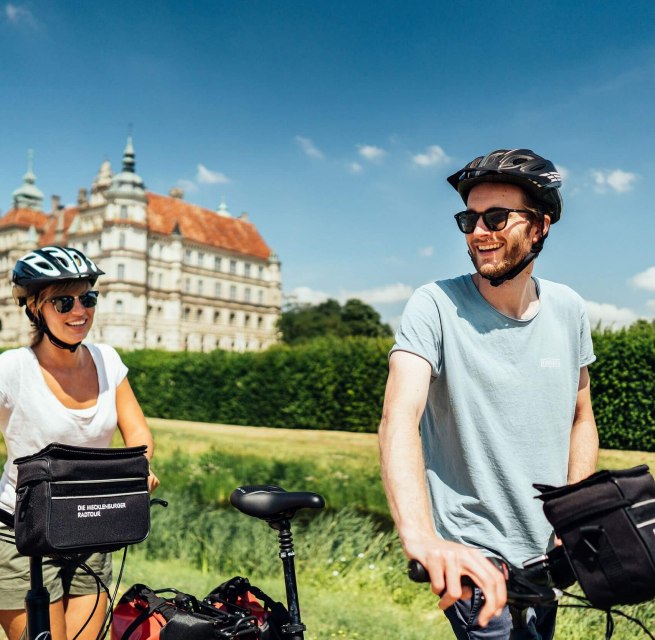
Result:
x=31 y=416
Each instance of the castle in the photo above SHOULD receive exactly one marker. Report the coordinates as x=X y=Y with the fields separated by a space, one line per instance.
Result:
x=177 y=276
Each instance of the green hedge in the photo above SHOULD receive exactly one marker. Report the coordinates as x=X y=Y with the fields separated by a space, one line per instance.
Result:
x=332 y=383
x=328 y=383
x=623 y=387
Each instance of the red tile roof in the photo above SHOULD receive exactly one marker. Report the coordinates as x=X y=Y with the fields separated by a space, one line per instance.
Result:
x=205 y=226
x=24 y=218
x=164 y=214
x=50 y=229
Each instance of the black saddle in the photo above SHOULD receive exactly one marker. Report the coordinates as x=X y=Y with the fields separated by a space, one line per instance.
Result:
x=273 y=504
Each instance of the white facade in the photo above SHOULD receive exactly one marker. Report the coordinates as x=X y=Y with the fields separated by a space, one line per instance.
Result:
x=191 y=287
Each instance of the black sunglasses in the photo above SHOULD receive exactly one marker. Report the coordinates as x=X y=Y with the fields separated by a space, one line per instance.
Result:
x=64 y=304
x=494 y=219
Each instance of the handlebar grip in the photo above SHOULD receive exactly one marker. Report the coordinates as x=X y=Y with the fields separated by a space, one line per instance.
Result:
x=418 y=573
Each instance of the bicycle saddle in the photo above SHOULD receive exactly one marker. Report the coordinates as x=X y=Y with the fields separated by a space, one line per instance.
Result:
x=272 y=503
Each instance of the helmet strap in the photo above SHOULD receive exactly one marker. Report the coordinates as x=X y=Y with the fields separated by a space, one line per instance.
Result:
x=39 y=323
x=514 y=271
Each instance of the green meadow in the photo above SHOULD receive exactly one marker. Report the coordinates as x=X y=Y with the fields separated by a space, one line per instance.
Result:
x=351 y=571
x=350 y=568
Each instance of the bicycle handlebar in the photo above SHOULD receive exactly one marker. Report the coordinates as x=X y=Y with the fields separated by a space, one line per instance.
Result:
x=538 y=583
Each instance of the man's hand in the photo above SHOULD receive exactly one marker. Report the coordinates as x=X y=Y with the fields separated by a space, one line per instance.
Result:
x=447 y=562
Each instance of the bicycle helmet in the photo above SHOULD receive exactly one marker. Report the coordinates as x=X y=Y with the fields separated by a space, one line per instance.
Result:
x=49 y=265
x=538 y=177
x=522 y=167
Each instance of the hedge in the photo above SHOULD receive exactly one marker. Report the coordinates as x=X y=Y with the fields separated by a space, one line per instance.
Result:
x=623 y=387
x=327 y=383
x=331 y=383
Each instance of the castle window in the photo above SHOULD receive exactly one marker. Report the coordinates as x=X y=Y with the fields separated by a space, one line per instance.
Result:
x=121 y=240
x=246 y=269
x=217 y=316
x=233 y=317
x=261 y=273
x=233 y=292
x=123 y=213
x=120 y=271
x=187 y=313
x=201 y=258
x=217 y=289
x=246 y=294
x=187 y=285
x=217 y=263
x=199 y=287
x=260 y=296
x=199 y=315
x=187 y=256
x=233 y=266
x=119 y=306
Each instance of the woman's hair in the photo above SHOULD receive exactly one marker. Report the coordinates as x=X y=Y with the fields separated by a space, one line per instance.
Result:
x=40 y=298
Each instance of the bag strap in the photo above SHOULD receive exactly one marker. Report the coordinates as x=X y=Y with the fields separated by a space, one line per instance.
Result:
x=237 y=586
x=154 y=604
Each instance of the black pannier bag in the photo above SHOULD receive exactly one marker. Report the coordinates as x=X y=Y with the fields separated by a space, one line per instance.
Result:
x=607 y=526
x=73 y=500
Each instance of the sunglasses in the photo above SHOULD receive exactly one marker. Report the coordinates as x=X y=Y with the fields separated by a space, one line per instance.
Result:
x=64 y=304
x=494 y=219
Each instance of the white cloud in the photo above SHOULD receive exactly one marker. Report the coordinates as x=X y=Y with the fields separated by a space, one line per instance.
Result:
x=206 y=176
x=309 y=148
x=188 y=185
x=618 y=180
x=18 y=15
x=426 y=252
x=355 y=167
x=609 y=315
x=306 y=295
x=432 y=156
x=645 y=280
x=371 y=153
x=563 y=171
x=386 y=294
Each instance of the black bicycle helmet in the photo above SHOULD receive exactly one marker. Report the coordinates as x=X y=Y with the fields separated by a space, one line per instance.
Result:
x=522 y=167
x=42 y=267
x=49 y=265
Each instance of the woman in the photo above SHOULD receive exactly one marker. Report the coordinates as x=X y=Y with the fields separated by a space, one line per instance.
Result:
x=60 y=390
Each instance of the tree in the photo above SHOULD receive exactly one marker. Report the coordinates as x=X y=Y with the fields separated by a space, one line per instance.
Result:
x=300 y=322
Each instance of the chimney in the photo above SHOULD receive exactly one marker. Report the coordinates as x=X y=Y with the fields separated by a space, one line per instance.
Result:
x=82 y=198
x=244 y=216
x=176 y=192
x=56 y=203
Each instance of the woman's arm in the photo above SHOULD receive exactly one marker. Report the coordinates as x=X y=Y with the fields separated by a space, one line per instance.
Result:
x=132 y=425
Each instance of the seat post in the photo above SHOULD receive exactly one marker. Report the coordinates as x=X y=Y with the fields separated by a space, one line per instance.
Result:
x=295 y=629
x=37 y=603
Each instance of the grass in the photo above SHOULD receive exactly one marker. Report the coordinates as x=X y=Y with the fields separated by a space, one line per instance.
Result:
x=349 y=562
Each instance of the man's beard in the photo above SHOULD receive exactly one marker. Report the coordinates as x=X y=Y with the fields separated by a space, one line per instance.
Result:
x=513 y=256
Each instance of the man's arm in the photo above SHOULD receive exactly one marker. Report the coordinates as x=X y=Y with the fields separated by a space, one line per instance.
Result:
x=583 y=454
x=403 y=476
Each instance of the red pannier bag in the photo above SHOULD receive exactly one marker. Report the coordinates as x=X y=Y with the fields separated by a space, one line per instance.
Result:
x=238 y=595
x=167 y=614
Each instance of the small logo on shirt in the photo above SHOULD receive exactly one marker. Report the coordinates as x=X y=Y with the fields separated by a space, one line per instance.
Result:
x=550 y=363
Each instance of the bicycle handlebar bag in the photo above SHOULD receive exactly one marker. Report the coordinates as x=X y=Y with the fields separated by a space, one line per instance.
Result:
x=72 y=500
x=607 y=525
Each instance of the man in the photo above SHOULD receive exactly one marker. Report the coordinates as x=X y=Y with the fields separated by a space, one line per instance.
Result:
x=488 y=393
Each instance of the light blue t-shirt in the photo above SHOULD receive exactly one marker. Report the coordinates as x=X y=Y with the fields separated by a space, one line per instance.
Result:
x=499 y=411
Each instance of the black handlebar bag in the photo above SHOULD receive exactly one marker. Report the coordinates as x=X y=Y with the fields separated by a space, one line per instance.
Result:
x=72 y=500
x=607 y=525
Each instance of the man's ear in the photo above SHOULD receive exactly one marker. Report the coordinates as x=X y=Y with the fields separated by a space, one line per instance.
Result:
x=539 y=234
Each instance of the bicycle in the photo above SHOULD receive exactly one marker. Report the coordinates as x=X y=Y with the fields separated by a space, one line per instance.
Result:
x=542 y=581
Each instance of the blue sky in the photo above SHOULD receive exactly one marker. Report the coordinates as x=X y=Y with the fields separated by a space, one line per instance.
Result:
x=334 y=125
